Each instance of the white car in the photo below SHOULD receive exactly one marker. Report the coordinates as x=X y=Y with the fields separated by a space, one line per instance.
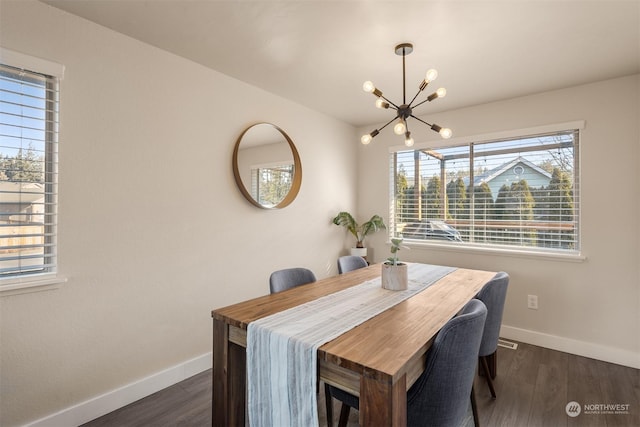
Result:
x=434 y=230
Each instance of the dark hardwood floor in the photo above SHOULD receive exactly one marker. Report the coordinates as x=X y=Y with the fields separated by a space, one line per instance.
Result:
x=533 y=385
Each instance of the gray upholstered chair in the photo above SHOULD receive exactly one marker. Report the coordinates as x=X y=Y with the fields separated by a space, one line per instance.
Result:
x=493 y=295
x=282 y=280
x=441 y=395
x=350 y=262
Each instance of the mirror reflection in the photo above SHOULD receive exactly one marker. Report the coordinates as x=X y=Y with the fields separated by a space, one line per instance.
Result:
x=266 y=166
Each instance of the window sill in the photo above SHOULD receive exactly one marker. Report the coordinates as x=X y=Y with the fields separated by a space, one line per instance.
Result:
x=550 y=255
x=35 y=283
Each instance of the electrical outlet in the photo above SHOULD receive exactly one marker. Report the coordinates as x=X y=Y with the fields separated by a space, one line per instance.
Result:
x=532 y=302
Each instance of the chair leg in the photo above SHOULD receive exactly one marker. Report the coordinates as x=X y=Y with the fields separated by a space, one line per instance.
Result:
x=487 y=375
x=344 y=415
x=328 y=402
x=474 y=407
x=492 y=361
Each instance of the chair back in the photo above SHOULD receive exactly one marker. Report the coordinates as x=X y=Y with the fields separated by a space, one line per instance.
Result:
x=288 y=278
x=493 y=295
x=440 y=396
x=350 y=262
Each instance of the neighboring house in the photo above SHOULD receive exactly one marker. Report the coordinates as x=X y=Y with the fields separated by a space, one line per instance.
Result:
x=513 y=171
x=21 y=202
x=22 y=224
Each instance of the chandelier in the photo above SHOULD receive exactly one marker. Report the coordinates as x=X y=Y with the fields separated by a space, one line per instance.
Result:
x=404 y=111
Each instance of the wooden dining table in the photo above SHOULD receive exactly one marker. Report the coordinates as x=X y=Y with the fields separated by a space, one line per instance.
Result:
x=378 y=360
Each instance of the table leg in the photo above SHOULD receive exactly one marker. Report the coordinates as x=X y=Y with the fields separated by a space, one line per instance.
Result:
x=219 y=372
x=237 y=378
x=383 y=402
x=229 y=379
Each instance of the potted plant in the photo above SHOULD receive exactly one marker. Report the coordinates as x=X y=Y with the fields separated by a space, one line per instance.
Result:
x=394 y=273
x=346 y=220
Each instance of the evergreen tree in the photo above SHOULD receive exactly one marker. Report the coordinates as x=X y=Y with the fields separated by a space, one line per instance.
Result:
x=457 y=201
x=401 y=190
x=482 y=201
x=541 y=202
x=520 y=201
x=561 y=196
x=520 y=205
x=561 y=206
x=482 y=211
x=433 y=199
x=500 y=205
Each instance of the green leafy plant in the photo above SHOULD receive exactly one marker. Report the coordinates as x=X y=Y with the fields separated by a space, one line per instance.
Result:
x=346 y=220
x=395 y=248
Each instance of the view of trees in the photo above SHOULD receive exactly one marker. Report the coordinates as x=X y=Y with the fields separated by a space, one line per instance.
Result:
x=25 y=166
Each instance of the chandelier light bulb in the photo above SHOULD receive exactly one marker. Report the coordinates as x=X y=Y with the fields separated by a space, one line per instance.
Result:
x=408 y=141
x=431 y=75
x=445 y=133
x=368 y=86
x=399 y=128
x=366 y=138
x=381 y=103
x=437 y=94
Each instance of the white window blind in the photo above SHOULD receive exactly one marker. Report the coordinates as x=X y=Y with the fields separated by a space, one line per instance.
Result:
x=517 y=192
x=28 y=172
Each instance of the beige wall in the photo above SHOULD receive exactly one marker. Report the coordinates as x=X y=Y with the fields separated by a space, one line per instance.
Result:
x=146 y=145
x=590 y=307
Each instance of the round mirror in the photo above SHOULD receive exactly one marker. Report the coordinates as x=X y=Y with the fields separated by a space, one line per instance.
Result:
x=266 y=166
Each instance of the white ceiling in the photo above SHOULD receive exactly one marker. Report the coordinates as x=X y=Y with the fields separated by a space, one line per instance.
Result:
x=318 y=53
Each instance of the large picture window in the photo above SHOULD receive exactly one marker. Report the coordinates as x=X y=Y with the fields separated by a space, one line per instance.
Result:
x=519 y=192
x=28 y=172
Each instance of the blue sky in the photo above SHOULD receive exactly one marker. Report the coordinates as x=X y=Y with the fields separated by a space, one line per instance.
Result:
x=22 y=114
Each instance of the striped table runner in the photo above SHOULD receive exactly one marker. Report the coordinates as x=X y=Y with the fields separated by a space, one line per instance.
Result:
x=282 y=348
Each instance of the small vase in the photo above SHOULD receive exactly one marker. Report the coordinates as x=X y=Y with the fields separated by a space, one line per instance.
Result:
x=395 y=277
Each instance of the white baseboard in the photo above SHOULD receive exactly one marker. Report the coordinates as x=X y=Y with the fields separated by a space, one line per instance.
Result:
x=568 y=345
x=114 y=399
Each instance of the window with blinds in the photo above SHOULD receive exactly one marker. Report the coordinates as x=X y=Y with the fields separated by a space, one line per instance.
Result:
x=28 y=172
x=513 y=193
x=270 y=184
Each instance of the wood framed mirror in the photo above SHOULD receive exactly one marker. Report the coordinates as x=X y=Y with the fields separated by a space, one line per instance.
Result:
x=266 y=166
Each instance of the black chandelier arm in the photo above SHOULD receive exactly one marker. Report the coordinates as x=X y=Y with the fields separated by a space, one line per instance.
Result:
x=414 y=98
x=390 y=103
x=387 y=124
x=420 y=103
x=420 y=120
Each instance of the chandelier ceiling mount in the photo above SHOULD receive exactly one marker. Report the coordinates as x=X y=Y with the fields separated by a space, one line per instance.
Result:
x=405 y=110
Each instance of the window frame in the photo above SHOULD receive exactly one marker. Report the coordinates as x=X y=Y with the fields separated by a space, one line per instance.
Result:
x=48 y=278
x=574 y=255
